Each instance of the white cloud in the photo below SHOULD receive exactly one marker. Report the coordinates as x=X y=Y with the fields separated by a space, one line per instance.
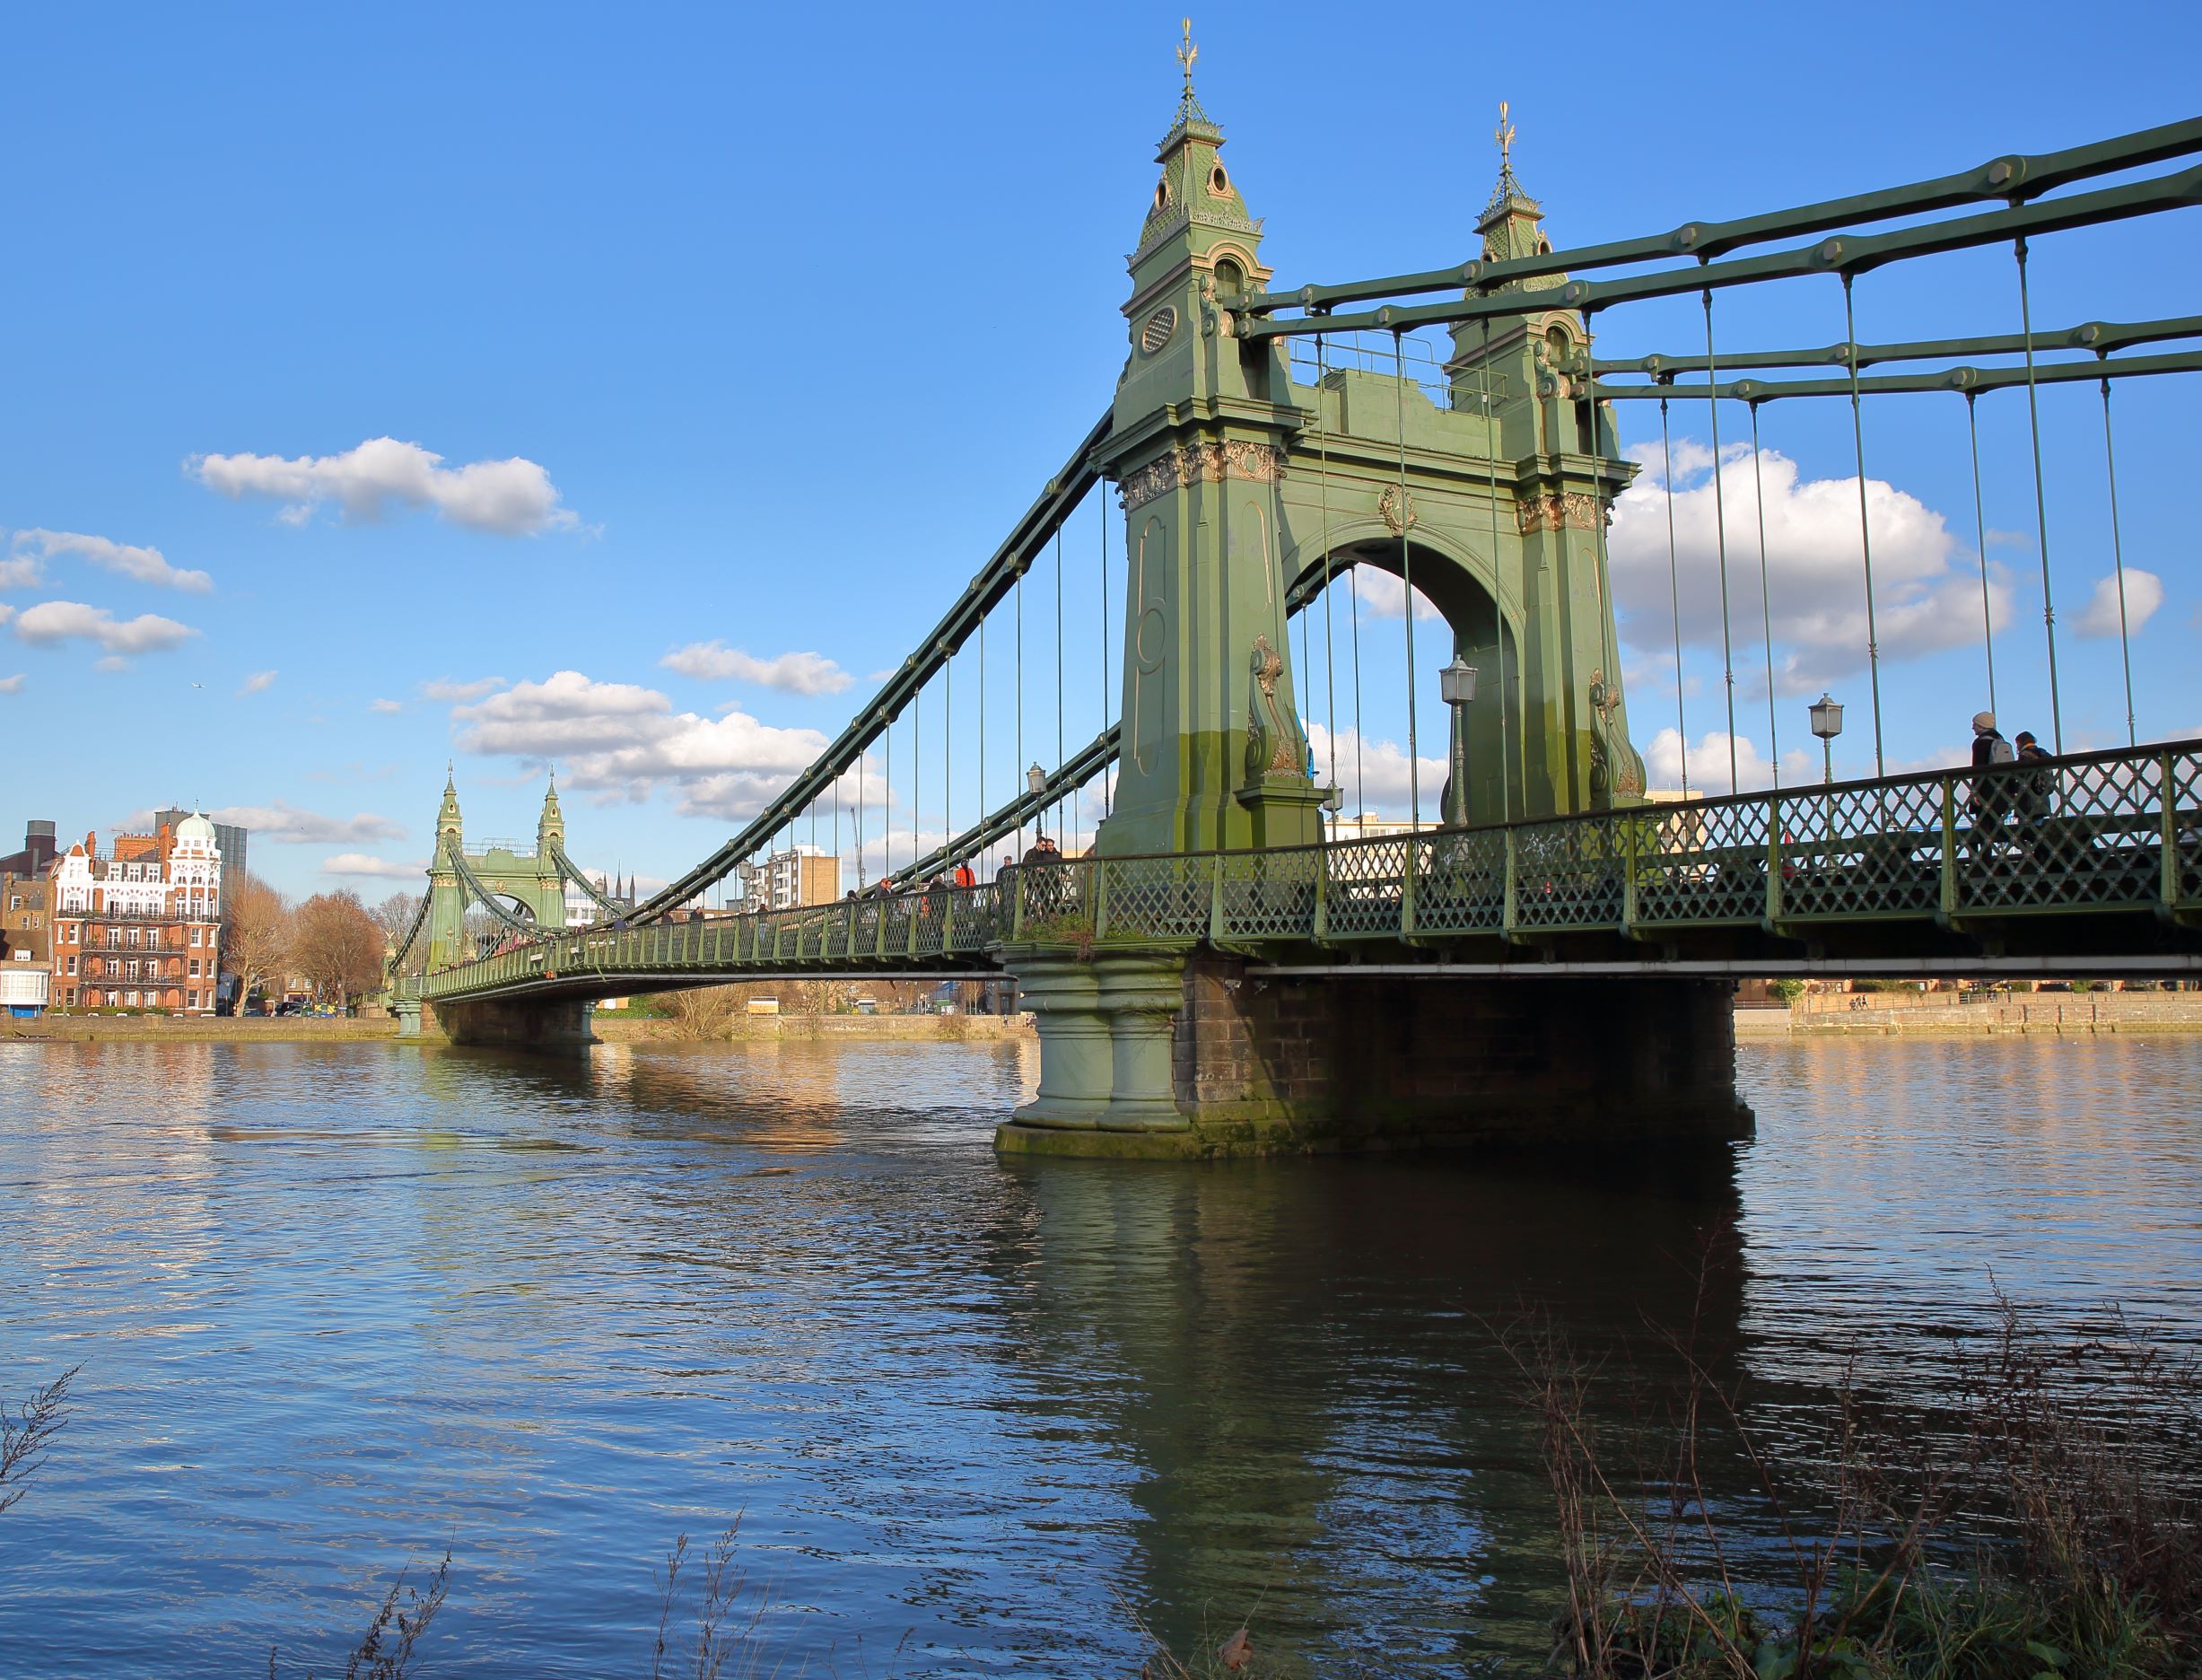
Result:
x=21 y=571
x=1381 y=785
x=444 y=688
x=358 y=863
x=1708 y=763
x=1926 y=589
x=259 y=682
x=385 y=706
x=55 y=621
x=511 y=498
x=147 y=565
x=793 y=673
x=12 y=685
x=6 y=613
x=288 y=826
x=623 y=741
x=2099 y=617
x=1385 y=596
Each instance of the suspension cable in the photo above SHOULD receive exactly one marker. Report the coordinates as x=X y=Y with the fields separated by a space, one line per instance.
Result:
x=1061 y=837
x=1721 y=527
x=982 y=806
x=1330 y=654
x=859 y=820
x=1406 y=580
x=1608 y=630
x=1980 y=528
x=1498 y=617
x=1361 y=779
x=2041 y=509
x=2118 y=559
x=1865 y=533
x=1019 y=766
x=1674 y=593
x=1766 y=604
x=887 y=815
x=917 y=766
x=947 y=747
x=1108 y=802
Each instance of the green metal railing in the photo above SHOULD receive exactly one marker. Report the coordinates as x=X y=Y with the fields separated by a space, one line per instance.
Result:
x=2109 y=833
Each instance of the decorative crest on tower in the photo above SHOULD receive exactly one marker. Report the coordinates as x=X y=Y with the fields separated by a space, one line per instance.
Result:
x=1189 y=112
x=1508 y=193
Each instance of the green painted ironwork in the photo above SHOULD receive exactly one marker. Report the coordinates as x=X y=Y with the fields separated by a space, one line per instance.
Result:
x=2099 y=855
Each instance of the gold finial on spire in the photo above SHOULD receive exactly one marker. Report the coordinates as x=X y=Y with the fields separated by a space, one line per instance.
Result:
x=1186 y=53
x=1504 y=135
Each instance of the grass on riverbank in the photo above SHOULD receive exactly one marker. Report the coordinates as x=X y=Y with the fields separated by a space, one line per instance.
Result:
x=2044 y=1523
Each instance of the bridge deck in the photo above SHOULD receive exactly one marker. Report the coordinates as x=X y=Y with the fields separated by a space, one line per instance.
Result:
x=2094 y=862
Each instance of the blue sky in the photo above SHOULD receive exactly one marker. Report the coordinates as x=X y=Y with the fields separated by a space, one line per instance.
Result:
x=693 y=325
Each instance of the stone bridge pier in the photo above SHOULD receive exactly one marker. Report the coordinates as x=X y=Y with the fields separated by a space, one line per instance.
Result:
x=1152 y=1052
x=557 y=1026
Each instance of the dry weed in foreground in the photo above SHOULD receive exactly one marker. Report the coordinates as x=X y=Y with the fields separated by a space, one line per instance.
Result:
x=2046 y=1522
x=27 y=1432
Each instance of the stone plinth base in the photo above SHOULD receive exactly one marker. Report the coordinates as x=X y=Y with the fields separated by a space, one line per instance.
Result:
x=519 y=1023
x=1323 y=1063
x=408 y=1013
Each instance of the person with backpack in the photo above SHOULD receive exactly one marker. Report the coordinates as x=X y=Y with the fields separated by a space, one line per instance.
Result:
x=2036 y=785
x=1991 y=793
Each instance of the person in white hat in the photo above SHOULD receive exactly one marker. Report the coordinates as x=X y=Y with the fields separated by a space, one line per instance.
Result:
x=1988 y=799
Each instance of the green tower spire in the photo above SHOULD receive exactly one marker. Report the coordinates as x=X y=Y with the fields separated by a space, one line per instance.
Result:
x=550 y=827
x=448 y=825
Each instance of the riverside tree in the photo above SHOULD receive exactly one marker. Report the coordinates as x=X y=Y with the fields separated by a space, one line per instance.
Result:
x=336 y=947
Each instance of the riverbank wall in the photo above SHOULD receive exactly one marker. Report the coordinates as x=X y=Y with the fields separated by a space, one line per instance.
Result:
x=1944 y=1015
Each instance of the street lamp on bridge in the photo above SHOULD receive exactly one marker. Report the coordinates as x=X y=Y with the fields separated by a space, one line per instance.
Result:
x=1458 y=683
x=1827 y=723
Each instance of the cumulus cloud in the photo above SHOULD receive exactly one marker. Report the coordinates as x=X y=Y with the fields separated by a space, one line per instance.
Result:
x=1708 y=763
x=2144 y=595
x=12 y=685
x=511 y=498
x=386 y=708
x=50 y=623
x=443 y=688
x=792 y=673
x=1926 y=589
x=624 y=741
x=146 y=566
x=21 y=571
x=359 y=863
x=259 y=682
x=1385 y=596
x=1373 y=774
x=6 y=613
x=288 y=826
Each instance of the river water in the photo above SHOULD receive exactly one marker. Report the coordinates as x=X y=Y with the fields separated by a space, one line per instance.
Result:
x=342 y=1308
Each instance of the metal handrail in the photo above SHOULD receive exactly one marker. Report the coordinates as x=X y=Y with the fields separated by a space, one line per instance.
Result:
x=2121 y=830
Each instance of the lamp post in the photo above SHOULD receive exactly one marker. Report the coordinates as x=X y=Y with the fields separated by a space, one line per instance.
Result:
x=1036 y=784
x=1458 y=683
x=1827 y=723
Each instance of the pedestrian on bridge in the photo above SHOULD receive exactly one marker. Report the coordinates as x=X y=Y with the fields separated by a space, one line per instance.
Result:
x=2036 y=784
x=1991 y=793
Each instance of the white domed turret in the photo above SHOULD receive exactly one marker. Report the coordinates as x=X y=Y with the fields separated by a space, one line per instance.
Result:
x=195 y=831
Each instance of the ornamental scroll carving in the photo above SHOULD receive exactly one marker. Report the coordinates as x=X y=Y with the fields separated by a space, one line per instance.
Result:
x=1203 y=463
x=1576 y=510
x=1272 y=747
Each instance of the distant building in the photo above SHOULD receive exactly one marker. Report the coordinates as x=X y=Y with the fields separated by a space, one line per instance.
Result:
x=1366 y=827
x=802 y=875
x=38 y=853
x=26 y=949
x=141 y=928
x=229 y=840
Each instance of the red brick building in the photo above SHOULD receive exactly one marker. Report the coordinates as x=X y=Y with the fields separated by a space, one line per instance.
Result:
x=141 y=928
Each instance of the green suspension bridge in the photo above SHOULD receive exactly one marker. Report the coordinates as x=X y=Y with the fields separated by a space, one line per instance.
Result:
x=1232 y=963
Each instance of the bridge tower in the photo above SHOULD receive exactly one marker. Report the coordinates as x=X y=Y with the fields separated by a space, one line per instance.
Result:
x=1242 y=492
x=527 y=880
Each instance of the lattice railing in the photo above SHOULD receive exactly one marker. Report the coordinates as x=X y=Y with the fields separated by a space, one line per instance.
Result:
x=2119 y=831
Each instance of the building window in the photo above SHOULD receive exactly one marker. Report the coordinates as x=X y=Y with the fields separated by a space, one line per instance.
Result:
x=195 y=936
x=191 y=1000
x=195 y=968
x=72 y=967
